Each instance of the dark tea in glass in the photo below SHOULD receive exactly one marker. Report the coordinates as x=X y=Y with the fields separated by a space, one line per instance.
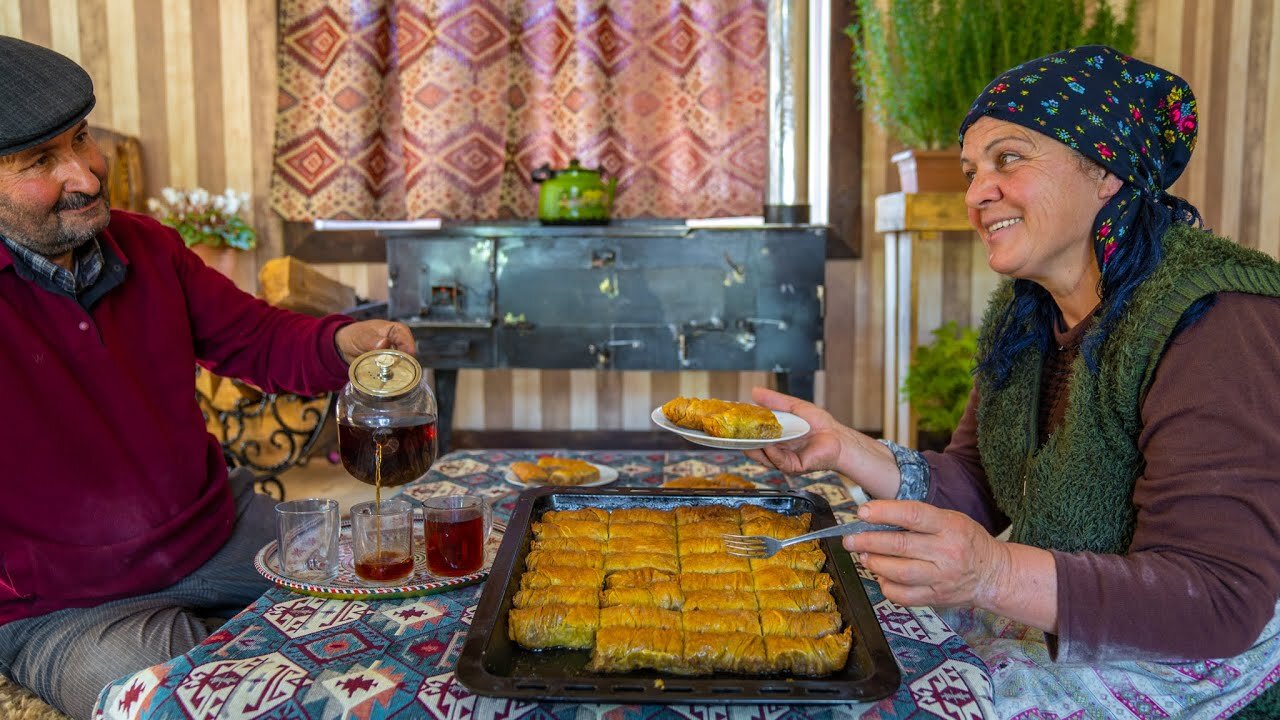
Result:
x=384 y=567
x=382 y=540
x=455 y=528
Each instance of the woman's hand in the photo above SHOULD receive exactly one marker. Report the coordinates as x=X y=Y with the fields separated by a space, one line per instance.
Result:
x=945 y=559
x=818 y=449
x=828 y=445
x=358 y=338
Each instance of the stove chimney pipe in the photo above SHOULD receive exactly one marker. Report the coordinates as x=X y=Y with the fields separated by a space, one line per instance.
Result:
x=787 y=190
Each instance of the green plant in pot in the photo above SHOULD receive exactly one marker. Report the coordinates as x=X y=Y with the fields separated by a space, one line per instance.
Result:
x=938 y=382
x=919 y=64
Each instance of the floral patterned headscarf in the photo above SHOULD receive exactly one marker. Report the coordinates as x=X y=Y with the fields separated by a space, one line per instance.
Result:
x=1136 y=120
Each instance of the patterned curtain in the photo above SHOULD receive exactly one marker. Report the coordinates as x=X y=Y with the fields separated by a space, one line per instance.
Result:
x=394 y=109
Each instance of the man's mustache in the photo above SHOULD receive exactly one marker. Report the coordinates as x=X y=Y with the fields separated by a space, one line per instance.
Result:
x=75 y=201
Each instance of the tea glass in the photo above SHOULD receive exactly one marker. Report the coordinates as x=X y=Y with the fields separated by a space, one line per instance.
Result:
x=307 y=539
x=456 y=528
x=382 y=540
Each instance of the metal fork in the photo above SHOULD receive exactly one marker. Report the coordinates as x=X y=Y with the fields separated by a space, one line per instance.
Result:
x=762 y=546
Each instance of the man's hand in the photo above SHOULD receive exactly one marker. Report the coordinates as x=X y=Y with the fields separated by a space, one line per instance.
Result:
x=360 y=337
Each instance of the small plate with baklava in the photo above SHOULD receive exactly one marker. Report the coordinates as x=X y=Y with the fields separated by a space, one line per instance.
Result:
x=559 y=472
x=727 y=425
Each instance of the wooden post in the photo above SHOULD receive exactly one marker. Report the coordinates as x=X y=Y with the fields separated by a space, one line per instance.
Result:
x=912 y=224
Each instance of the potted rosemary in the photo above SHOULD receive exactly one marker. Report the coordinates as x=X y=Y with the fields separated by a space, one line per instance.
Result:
x=920 y=63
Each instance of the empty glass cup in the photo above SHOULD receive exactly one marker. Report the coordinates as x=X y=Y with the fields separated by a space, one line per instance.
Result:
x=307 y=537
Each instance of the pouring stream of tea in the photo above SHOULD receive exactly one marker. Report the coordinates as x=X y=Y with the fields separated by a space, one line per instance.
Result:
x=377 y=500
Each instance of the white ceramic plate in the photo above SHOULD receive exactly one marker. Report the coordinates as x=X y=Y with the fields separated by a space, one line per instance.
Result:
x=792 y=427
x=607 y=475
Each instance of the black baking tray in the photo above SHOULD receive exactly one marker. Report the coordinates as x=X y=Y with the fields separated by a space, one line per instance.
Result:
x=491 y=664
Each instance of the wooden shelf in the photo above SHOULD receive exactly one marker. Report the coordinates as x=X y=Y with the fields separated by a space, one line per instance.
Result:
x=907 y=221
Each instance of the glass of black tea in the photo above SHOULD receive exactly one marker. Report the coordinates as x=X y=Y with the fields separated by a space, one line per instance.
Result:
x=382 y=540
x=456 y=528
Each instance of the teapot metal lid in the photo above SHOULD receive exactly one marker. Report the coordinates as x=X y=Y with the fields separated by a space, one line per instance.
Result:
x=385 y=373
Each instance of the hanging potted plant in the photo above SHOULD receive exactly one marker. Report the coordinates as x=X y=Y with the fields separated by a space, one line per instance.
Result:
x=919 y=64
x=211 y=225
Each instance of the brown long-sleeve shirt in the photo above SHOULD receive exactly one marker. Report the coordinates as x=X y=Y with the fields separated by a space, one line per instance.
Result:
x=1202 y=574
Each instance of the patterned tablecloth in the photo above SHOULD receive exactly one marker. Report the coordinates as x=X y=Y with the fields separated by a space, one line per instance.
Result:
x=295 y=656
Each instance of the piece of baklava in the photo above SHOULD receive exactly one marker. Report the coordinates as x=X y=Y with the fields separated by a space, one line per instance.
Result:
x=808 y=656
x=649 y=515
x=697 y=514
x=781 y=577
x=737 y=581
x=623 y=649
x=721 y=621
x=639 y=616
x=720 y=600
x=666 y=595
x=589 y=514
x=568 y=471
x=796 y=600
x=794 y=558
x=643 y=577
x=614 y=562
x=723 y=419
x=571 y=529
x=529 y=473
x=557 y=595
x=734 y=652
x=557 y=575
x=542 y=558
x=553 y=626
x=799 y=624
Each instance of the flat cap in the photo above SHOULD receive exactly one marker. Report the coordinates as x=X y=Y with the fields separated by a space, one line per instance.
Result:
x=42 y=94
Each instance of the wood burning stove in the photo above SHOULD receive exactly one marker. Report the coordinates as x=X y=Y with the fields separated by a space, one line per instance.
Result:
x=631 y=295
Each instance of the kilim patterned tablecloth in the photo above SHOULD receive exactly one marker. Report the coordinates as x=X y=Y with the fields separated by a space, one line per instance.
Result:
x=295 y=656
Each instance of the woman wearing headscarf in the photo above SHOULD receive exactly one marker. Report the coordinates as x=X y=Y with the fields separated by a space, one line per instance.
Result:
x=1122 y=426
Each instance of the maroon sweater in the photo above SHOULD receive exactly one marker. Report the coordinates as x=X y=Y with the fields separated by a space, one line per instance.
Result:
x=111 y=485
x=1202 y=573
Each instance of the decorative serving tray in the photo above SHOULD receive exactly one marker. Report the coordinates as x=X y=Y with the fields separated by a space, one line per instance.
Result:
x=492 y=664
x=346 y=585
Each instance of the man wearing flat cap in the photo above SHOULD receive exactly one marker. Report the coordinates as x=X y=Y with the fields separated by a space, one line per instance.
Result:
x=122 y=537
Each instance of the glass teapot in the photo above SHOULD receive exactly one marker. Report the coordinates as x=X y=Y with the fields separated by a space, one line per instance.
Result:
x=387 y=419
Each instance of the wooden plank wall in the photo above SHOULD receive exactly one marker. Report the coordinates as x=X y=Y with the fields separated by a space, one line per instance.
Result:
x=195 y=80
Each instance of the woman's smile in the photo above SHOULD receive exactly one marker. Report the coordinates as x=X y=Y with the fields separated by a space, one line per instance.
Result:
x=999 y=225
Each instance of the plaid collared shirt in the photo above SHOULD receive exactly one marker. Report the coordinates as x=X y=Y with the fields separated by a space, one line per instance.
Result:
x=87 y=262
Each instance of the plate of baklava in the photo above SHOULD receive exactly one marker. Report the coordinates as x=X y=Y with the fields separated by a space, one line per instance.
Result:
x=727 y=425
x=559 y=472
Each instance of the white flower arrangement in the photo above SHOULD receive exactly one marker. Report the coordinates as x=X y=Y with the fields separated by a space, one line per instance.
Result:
x=201 y=218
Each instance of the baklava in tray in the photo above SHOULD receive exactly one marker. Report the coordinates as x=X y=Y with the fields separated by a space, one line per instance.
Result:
x=608 y=595
x=654 y=589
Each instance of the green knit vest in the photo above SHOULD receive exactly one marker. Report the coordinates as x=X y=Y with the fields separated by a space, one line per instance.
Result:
x=1075 y=492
